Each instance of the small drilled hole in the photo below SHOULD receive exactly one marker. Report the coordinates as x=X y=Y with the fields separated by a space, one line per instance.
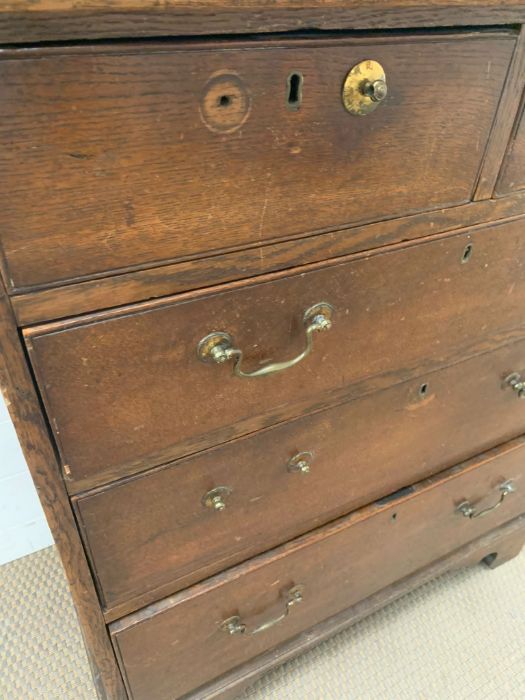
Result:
x=224 y=101
x=467 y=253
x=393 y=516
x=295 y=90
x=423 y=390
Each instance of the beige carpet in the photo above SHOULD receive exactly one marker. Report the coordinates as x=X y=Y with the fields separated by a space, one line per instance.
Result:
x=460 y=637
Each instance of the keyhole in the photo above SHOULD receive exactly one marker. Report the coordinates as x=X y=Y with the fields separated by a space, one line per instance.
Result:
x=224 y=100
x=467 y=253
x=295 y=90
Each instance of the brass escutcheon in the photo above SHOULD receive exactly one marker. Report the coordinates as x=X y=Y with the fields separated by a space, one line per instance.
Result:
x=301 y=462
x=215 y=499
x=516 y=383
x=364 y=88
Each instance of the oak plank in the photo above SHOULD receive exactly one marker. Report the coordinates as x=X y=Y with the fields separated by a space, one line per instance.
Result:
x=134 y=371
x=25 y=410
x=338 y=565
x=24 y=21
x=512 y=176
x=153 y=283
x=504 y=123
x=499 y=545
x=130 y=161
x=150 y=553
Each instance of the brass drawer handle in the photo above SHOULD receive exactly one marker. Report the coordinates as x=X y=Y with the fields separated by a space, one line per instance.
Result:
x=235 y=625
x=215 y=498
x=516 y=383
x=364 y=88
x=218 y=347
x=469 y=511
x=301 y=462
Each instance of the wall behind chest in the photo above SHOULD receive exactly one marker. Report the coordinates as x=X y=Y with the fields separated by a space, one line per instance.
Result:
x=23 y=527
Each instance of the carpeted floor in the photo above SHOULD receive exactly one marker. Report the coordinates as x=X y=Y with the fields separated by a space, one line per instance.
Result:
x=460 y=637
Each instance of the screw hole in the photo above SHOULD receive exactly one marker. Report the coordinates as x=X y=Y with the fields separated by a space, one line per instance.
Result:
x=393 y=517
x=467 y=253
x=423 y=390
x=295 y=90
x=224 y=101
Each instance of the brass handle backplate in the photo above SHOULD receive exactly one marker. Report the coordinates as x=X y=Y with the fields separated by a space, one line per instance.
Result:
x=215 y=499
x=218 y=346
x=364 y=88
x=301 y=462
x=235 y=624
x=516 y=383
x=469 y=511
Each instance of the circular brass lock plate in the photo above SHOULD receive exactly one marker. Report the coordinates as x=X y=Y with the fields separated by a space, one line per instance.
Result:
x=358 y=86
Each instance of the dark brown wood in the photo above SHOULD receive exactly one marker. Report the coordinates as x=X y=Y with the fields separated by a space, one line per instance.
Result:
x=338 y=565
x=162 y=538
x=505 y=541
x=48 y=20
x=128 y=160
x=143 y=211
x=17 y=386
x=512 y=175
x=127 y=288
x=135 y=372
x=503 y=125
x=510 y=548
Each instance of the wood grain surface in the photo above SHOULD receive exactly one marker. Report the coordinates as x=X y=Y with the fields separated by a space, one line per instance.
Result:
x=338 y=566
x=512 y=176
x=137 y=155
x=135 y=373
x=163 y=538
x=160 y=189
x=494 y=548
x=119 y=290
x=23 y=21
x=21 y=398
x=503 y=126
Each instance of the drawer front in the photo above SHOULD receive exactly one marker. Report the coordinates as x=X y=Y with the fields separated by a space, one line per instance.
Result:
x=152 y=153
x=179 y=643
x=512 y=177
x=167 y=531
x=127 y=391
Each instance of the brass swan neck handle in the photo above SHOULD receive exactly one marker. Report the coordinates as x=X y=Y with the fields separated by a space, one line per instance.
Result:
x=218 y=347
x=469 y=511
x=289 y=598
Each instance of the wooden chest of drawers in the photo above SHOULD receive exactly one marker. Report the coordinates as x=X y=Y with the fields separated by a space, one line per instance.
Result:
x=262 y=327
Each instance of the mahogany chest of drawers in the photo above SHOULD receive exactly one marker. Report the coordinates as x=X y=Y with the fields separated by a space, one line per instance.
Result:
x=262 y=314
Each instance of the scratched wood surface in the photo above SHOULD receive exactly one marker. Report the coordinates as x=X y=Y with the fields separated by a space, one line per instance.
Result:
x=47 y=20
x=131 y=156
x=118 y=290
x=338 y=565
x=358 y=452
x=493 y=549
x=16 y=384
x=512 y=176
x=135 y=372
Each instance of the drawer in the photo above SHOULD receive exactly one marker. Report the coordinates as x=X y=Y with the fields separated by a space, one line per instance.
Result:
x=512 y=176
x=136 y=154
x=194 y=636
x=126 y=390
x=165 y=532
